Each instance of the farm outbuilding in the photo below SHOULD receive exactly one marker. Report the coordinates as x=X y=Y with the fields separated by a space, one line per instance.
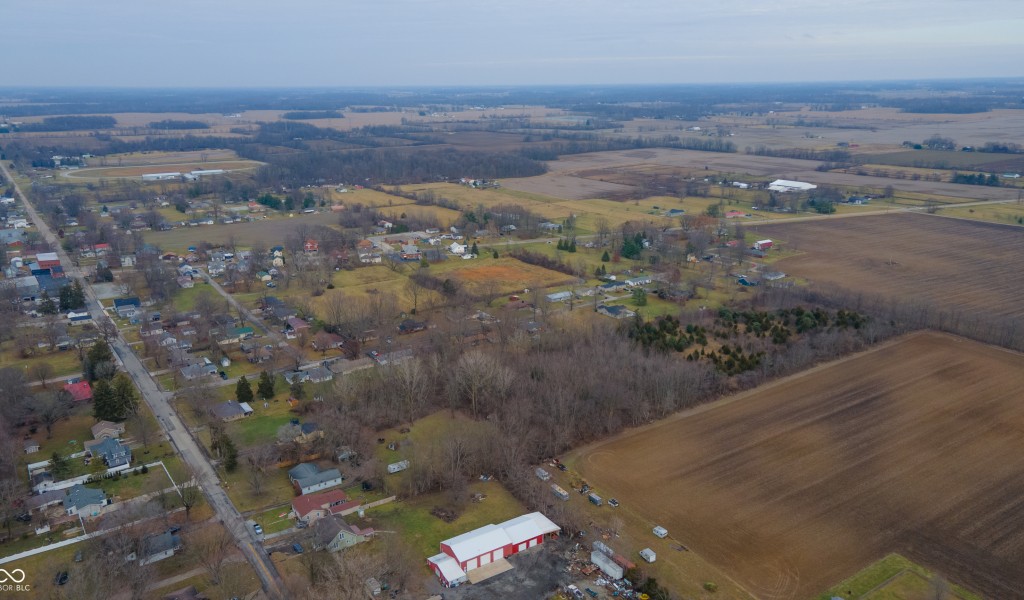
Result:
x=785 y=185
x=488 y=544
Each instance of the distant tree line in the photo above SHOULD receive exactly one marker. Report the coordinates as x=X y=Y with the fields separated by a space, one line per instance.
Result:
x=70 y=123
x=174 y=124
x=298 y=115
x=801 y=153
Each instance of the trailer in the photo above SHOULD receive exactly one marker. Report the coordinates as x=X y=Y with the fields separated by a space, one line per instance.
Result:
x=648 y=555
x=608 y=566
x=559 y=492
x=763 y=244
x=542 y=474
x=594 y=499
x=623 y=562
x=398 y=466
x=660 y=531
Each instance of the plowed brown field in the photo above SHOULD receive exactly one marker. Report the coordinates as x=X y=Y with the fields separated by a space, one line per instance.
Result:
x=949 y=263
x=914 y=447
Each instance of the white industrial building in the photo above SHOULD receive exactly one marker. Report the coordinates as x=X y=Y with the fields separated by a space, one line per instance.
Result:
x=785 y=185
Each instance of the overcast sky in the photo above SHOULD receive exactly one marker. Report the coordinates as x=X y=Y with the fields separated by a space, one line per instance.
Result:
x=258 y=43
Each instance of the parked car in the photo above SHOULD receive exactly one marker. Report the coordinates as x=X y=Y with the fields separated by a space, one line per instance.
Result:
x=223 y=375
x=301 y=524
x=61 y=578
x=297 y=548
x=591 y=593
x=258 y=529
x=271 y=284
x=613 y=502
x=562 y=467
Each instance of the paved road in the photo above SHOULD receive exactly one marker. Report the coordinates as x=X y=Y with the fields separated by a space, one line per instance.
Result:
x=177 y=433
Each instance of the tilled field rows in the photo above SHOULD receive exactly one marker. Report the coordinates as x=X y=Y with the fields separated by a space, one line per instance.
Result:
x=949 y=263
x=913 y=448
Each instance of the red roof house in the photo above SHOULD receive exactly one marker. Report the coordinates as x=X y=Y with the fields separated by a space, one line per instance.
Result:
x=311 y=247
x=80 y=392
x=310 y=507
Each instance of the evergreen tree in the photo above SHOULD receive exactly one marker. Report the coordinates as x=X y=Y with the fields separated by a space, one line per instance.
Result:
x=72 y=297
x=60 y=468
x=99 y=362
x=265 y=386
x=572 y=245
x=243 y=391
x=605 y=257
x=229 y=452
x=104 y=405
x=126 y=399
x=298 y=391
x=495 y=254
x=48 y=306
x=475 y=250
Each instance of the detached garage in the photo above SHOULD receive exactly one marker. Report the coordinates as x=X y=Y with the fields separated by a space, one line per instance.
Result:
x=490 y=543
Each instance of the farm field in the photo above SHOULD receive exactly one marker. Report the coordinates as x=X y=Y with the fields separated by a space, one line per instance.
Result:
x=503 y=275
x=760 y=166
x=949 y=263
x=908 y=448
x=140 y=170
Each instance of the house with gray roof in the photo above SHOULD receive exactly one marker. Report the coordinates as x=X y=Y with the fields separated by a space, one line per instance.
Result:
x=114 y=454
x=332 y=533
x=158 y=547
x=308 y=478
x=231 y=410
x=81 y=500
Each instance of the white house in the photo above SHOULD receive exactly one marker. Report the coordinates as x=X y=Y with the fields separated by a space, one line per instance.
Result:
x=457 y=248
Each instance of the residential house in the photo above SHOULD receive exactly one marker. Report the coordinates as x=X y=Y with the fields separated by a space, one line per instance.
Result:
x=231 y=410
x=127 y=307
x=319 y=374
x=311 y=507
x=31 y=447
x=114 y=454
x=198 y=370
x=309 y=432
x=411 y=326
x=457 y=248
x=615 y=311
x=84 y=501
x=79 y=391
x=559 y=296
x=333 y=534
x=107 y=429
x=295 y=325
x=636 y=281
x=311 y=246
x=293 y=377
x=45 y=500
x=308 y=478
x=127 y=260
x=324 y=341
x=410 y=252
x=185 y=282
x=156 y=548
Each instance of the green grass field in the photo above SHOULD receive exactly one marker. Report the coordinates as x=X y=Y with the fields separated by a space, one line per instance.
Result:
x=425 y=532
x=892 y=578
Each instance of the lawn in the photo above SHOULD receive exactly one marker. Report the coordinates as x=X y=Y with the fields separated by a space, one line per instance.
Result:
x=262 y=426
x=68 y=435
x=891 y=578
x=425 y=532
x=277 y=490
x=274 y=519
x=63 y=362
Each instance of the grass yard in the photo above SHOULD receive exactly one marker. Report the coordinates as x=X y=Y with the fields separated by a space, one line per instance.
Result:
x=262 y=426
x=1011 y=213
x=425 y=532
x=892 y=578
x=62 y=362
x=277 y=490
